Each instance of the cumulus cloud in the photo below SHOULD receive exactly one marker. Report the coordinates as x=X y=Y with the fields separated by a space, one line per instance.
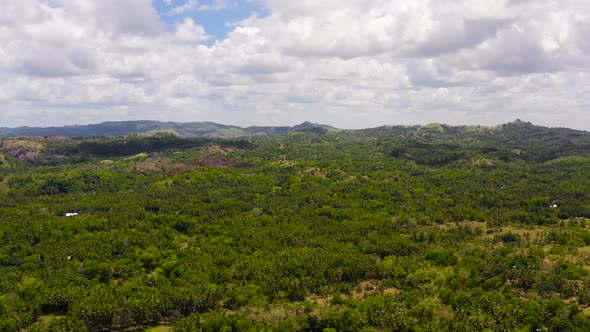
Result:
x=191 y=5
x=350 y=63
x=187 y=6
x=189 y=31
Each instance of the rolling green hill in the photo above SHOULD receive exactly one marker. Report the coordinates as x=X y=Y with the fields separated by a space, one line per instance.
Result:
x=419 y=228
x=188 y=130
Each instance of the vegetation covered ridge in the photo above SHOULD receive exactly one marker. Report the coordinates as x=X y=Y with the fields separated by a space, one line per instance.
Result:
x=148 y=128
x=425 y=228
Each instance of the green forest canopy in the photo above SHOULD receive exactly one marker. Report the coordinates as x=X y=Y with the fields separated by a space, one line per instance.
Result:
x=394 y=228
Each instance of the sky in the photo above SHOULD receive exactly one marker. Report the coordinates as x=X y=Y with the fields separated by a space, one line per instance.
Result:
x=346 y=63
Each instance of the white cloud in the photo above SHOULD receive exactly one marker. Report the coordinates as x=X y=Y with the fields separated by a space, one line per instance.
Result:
x=188 y=31
x=217 y=5
x=350 y=63
x=185 y=7
x=191 y=5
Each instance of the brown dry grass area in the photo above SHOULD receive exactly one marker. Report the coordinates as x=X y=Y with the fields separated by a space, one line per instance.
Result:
x=284 y=162
x=371 y=287
x=547 y=265
x=4 y=184
x=26 y=144
x=580 y=257
x=585 y=309
x=274 y=313
x=184 y=242
x=451 y=225
x=160 y=329
x=222 y=149
x=3 y=161
x=161 y=165
x=217 y=161
x=314 y=171
x=533 y=233
x=47 y=319
x=319 y=299
x=366 y=288
x=487 y=162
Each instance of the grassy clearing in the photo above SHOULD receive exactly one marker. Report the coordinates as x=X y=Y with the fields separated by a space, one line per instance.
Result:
x=4 y=184
x=365 y=289
x=161 y=328
x=137 y=157
x=24 y=144
x=528 y=232
x=3 y=161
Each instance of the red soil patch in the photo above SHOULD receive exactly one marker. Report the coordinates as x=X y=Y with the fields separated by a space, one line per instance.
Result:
x=219 y=161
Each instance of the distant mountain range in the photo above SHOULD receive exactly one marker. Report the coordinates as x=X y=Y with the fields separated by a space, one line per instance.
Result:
x=432 y=145
x=515 y=133
x=187 y=130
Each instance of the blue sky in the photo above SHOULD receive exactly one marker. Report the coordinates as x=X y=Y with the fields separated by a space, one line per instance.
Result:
x=215 y=16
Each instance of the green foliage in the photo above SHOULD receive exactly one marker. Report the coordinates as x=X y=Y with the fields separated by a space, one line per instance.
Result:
x=394 y=229
x=509 y=237
x=442 y=257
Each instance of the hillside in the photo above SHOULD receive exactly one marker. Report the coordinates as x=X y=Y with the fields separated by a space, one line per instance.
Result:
x=420 y=228
x=187 y=130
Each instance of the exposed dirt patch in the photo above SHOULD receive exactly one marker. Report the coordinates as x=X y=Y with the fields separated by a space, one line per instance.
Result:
x=22 y=149
x=222 y=149
x=271 y=314
x=219 y=161
x=371 y=287
x=23 y=154
x=366 y=288
x=162 y=165
x=30 y=148
x=547 y=265
x=26 y=144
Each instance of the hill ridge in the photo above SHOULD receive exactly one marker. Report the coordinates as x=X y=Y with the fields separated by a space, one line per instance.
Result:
x=211 y=129
x=150 y=127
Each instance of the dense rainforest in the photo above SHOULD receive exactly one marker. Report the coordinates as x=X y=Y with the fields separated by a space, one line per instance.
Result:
x=422 y=228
